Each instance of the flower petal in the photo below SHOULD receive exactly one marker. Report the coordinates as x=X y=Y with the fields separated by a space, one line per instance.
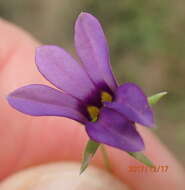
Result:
x=41 y=100
x=132 y=102
x=92 y=48
x=63 y=71
x=115 y=130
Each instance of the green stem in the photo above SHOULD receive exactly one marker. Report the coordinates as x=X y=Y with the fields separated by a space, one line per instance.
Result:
x=106 y=158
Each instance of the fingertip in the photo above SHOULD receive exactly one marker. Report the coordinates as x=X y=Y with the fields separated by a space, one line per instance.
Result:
x=62 y=176
x=12 y=38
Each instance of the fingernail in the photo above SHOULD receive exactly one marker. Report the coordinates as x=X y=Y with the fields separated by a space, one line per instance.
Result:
x=63 y=176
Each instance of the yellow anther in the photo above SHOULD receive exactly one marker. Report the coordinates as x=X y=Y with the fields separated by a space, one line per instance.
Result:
x=93 y=112
x=106 y=97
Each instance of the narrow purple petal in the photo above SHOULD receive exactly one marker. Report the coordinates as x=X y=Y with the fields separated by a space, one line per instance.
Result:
x=63 y=71
x=115 y=130
x=92 y=48
x=132 y=102
x=41 y=100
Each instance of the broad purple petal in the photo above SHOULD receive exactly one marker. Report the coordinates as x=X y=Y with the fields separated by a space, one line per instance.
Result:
x=132 y=102
x=92 y=48
x=41 y=100
x=63 y=71
x=115 y=130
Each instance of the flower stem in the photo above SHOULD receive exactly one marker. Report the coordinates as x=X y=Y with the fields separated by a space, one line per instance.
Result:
x=105 y=158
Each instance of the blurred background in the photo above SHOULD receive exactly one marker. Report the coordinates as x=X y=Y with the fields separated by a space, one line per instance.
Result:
x=147 y=44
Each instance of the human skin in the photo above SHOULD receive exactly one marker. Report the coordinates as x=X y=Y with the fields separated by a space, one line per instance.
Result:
x=27 y=141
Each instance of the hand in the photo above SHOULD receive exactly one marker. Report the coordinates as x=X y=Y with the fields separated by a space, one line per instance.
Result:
x=28 y=141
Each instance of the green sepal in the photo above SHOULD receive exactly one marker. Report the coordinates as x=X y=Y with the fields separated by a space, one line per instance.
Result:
x=89 y=152
x=142 y=158
x=156 y=97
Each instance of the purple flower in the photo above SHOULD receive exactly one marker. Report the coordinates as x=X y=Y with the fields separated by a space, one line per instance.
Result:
x=88 y=92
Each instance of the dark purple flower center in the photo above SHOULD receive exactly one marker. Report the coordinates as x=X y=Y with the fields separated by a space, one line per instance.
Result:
x=94 y=111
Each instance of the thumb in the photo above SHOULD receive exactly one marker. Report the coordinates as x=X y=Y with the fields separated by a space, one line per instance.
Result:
x=62 y=176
